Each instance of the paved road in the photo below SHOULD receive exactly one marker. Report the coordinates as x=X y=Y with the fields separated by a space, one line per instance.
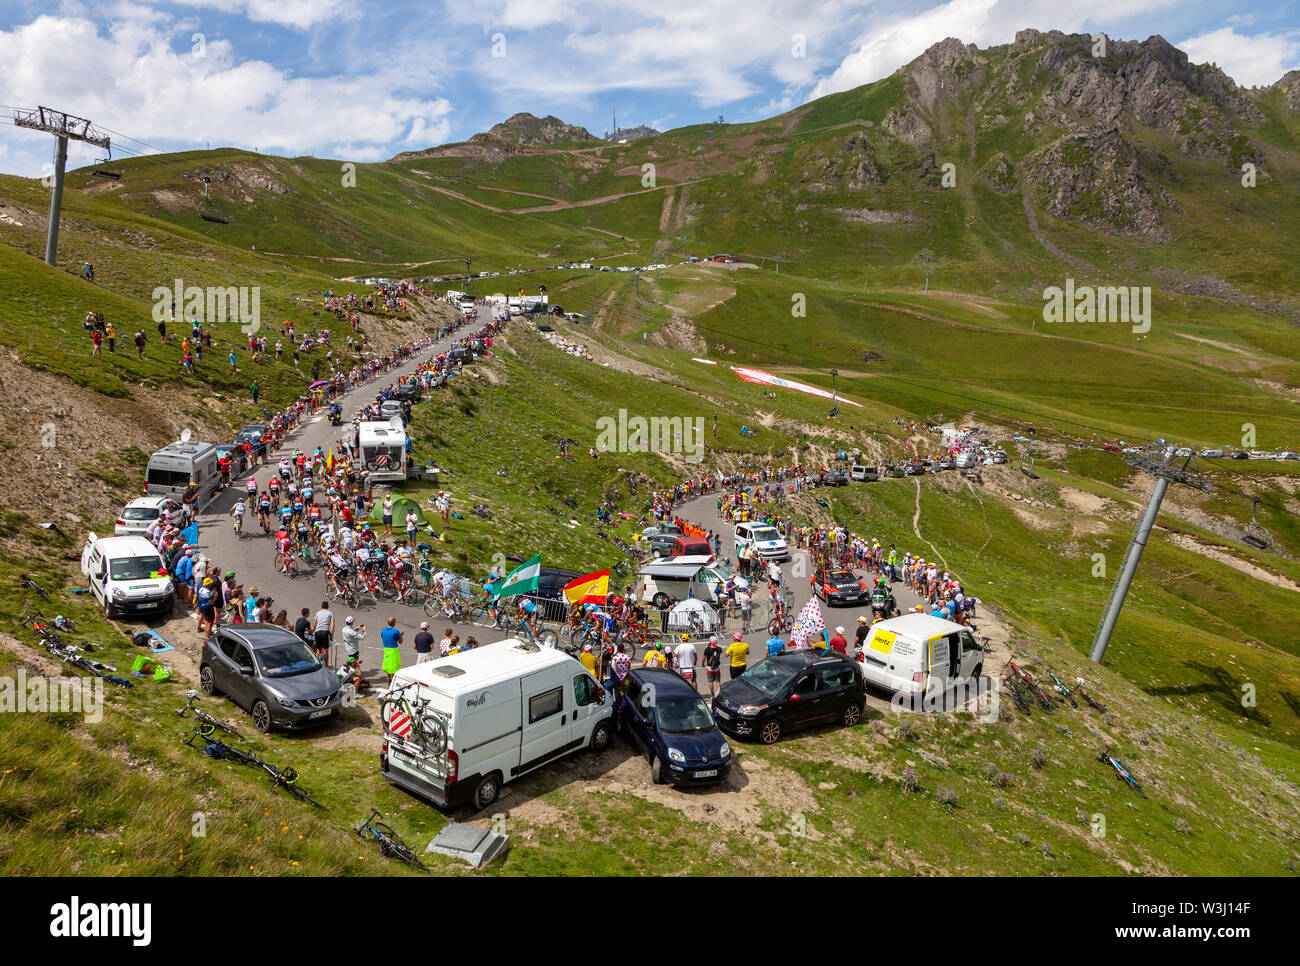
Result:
x=252 y=557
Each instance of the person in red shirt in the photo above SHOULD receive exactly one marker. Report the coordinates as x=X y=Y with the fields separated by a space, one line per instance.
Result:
x=839 y=642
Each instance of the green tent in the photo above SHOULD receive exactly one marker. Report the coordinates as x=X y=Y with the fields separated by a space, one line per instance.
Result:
x=401 y=507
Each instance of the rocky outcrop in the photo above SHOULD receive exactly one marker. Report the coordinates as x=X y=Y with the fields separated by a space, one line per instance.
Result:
x=1096 y=177
x=528 y=130
x=1000 y=174
x=1289 y=85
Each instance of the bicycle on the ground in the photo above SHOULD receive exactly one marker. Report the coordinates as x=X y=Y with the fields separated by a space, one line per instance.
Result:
x=1031 y=685
x=1083 y=693
x=287 y=778
x=390 y=843
x=1065 y=692
x=1016 y=688
x=1107 y=758
x=25 y=581
x=204 y=718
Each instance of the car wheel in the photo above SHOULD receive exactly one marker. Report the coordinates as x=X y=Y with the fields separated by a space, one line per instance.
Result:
x=108 y=611
x=600 y=737
x=656 y=770
x=660 y=600
x=261 y=716
x=206 y=682
x=851 y=715
x=770 y=733
x=488 y=790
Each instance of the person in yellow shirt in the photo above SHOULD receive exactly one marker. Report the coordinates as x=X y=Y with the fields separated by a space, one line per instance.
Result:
x=654 y=657
x=588 y=659
x=737 y=653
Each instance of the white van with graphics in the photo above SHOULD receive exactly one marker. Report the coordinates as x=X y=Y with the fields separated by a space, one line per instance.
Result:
x=458 y=728
x=919 y=657
x=126 y=575
x=764 y=538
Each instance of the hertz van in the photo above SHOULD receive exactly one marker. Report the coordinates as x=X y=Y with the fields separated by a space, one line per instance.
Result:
x=458 y=728
x=918 y=657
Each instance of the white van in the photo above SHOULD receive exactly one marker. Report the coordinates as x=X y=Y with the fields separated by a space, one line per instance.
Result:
x=173 y=468
x=917 y=656
x=966 y=460
x=458 y=728
x=764 y=538
x=864 y=474
x=126 y=575
x=677 y=578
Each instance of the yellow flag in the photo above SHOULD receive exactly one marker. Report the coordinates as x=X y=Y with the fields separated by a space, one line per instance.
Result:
x=329 y=462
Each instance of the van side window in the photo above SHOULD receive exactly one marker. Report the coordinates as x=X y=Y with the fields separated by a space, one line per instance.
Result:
x=545 y=704
x=968 y=642
x=241 y=657
x=228 y=646
x=584 y=690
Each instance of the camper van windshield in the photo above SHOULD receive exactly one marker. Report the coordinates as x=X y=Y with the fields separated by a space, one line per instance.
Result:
x=684 y=716
x=135 y=568
x=161 y=477
x=286 y=660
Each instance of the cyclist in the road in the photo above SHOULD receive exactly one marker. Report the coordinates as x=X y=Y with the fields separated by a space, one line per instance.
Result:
x=237 y=516
x=252 y=487
x=286 y=517
x=264 y=510
x=528 y=611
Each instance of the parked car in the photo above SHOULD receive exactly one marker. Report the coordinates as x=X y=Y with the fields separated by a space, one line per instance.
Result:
x=665 y=719
x=914 y=468
x=251 y=433
x=136 y=516
x=790 y=691
x=660 y=529
x=272 y=673
x=234 y=453
x=946 y=463
x=1241 y=454
x=864 y=474
x=550 y=582
x=678 y=545
x=999 y=456
x=838 y=586
x=834 y=478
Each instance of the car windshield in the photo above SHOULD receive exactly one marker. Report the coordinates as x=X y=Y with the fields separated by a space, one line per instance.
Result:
x=844 y=577
x=287 y=659
x=684 y=716
x=140 y=513
x=767 y=677
x=135 y=568
x=766 y=533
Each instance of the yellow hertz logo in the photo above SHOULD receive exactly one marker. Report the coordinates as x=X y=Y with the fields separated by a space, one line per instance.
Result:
x=883 y=641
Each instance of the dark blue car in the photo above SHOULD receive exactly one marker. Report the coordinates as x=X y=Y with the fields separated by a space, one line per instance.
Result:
x=668 y=722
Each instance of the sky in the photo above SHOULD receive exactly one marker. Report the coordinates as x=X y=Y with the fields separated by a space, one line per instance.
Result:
x=359 y=80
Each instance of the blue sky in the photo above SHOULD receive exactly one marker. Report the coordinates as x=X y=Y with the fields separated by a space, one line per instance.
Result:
x=361 y=80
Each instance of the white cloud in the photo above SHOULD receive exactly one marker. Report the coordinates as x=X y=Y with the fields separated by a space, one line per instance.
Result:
x=144 y=88
x=299 y=14
x=1250 y=61
x=891 y=43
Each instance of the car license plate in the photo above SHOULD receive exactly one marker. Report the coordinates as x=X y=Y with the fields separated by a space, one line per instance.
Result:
x=711 y=773
x=320 y=714
x=142 y=606
x=722 y=714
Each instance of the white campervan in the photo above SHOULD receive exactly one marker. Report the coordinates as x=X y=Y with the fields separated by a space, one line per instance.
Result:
x=383 y=449
x=126 y=575
x=677 y=578
x=458 y=728
x=919 y=657
x=184 y=470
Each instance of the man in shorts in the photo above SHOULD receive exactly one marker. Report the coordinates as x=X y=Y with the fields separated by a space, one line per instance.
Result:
x=423 y=644
x=686 y=660
x=323 y=630
x=391 y=638
x=738 y=654
x=713 y=665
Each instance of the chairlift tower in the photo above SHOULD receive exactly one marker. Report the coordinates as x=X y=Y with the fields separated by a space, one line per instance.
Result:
x=1158 y=464
x=63 y=127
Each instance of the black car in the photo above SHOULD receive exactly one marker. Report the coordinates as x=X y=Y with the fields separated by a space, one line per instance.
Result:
x=271 y=672
x=552 y=605
x=836 y=478
x=664 y=719
x=786 y=692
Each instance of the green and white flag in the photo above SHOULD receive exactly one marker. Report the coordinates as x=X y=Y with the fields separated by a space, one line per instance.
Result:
x=521 y=580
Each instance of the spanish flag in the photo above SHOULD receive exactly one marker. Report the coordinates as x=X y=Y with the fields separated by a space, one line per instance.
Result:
x=329 y=462
x=591 y=589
